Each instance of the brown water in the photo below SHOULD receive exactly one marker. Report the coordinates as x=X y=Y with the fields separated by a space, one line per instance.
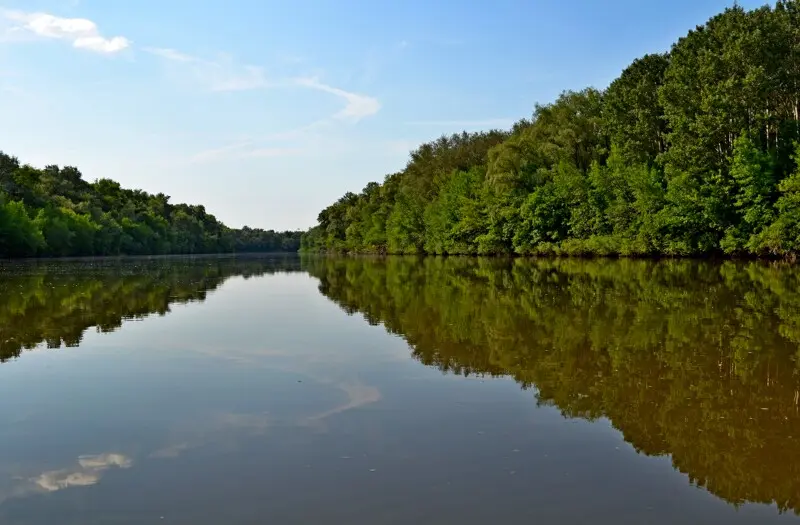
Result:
x=368 y=391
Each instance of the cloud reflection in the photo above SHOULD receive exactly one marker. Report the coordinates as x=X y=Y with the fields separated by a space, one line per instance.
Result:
x=89 y=471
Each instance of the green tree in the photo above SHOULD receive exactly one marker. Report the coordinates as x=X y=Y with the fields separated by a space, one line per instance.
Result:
x=753 y=183
x=632 y=112
x=72 y=217
x=683 y=155
x=782 y=237
x=19 y=235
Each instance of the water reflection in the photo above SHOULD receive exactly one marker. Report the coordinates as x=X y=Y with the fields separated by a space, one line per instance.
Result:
x=55 y=302
x=214 y=379
x=696 y=360
x=88 y=472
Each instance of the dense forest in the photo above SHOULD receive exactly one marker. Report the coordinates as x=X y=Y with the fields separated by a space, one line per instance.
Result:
x=695 y=361
x=55 y=212
x=694 y=151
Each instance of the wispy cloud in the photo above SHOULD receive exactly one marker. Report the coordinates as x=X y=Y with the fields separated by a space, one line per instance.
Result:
x=357 y=106
x=485 y=123
x=225 y=74
x=220 y=74
x=82 y=33
x=171 y=54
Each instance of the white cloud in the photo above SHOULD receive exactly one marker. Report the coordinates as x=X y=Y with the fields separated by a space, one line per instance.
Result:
x=82 y=33
x=170 y=54
x=357 y=106
x=100 y=44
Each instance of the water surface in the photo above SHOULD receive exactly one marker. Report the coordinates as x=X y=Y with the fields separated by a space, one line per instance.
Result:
x=383 y=391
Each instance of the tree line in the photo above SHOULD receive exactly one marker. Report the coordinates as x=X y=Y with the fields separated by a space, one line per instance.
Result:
x=54 y=212
x=695 y=361
x=694 y=151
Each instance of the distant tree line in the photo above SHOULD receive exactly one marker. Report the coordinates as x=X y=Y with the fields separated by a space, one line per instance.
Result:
x=54 y=212
x=690 y=152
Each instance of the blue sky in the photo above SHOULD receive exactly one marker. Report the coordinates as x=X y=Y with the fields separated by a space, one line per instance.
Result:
x=267 y=111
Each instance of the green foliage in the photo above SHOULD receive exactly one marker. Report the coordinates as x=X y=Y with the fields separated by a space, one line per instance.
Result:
x=54 y=212
x=632 y=112
x=455 y=218
x=782 y=237
x=751 y=173
x=684 y=154
x=19 y=235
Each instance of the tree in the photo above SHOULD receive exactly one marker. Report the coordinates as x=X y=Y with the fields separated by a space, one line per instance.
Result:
x=752 y=185
x=683 y=155
x=54 y=212
x=782 y=237
x=632 y=112
x=19 y=235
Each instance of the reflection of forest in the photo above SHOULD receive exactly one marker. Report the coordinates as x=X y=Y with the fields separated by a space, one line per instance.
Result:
x=697 y=360
x=693 y=359
x=55 y=302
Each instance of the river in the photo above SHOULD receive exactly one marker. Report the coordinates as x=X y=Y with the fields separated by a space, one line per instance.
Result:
x=289 y=390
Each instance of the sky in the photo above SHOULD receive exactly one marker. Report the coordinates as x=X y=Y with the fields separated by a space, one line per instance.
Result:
x=267 y=111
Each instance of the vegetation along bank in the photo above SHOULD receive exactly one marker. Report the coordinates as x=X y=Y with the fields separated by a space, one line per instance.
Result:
x=690 y=152
x=54 y=212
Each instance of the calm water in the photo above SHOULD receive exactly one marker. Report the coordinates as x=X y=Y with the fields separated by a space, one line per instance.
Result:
x=363 y=391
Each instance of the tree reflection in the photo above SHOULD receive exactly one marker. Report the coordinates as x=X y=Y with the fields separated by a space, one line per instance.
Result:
x=693 y=359
x=56 y=302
